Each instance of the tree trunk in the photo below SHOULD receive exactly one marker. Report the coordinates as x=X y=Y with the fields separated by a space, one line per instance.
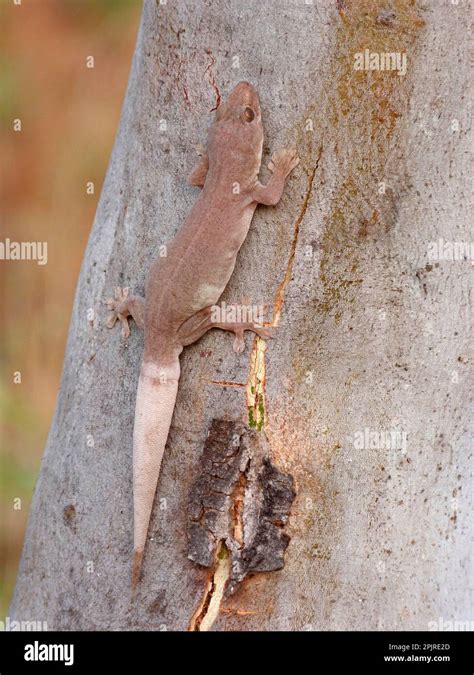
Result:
x=363 y=394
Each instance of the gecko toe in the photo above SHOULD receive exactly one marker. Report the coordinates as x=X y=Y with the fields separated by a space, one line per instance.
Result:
x=284 y=161
x=111 y=321
x=117 y=305
x=125 y=326
x=239 y=344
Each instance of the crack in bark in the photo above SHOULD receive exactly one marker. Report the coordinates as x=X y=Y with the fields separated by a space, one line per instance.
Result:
x=280 y=294
x=255 y=388
x=227 y=383
x=237 y=507
x=208 y=609
x=212 y=79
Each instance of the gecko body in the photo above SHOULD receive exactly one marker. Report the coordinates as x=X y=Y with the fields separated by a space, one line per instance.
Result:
x=183 y=286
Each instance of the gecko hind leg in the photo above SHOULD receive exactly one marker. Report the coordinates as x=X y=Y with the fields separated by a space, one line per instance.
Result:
x=238 y=329
x=198 y=324
x=123 y=306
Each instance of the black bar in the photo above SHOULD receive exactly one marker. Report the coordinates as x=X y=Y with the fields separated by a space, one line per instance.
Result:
x=379 y=652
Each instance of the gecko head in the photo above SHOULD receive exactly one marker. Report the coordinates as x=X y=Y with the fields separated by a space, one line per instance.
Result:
x=237 y=128
x=242 y=105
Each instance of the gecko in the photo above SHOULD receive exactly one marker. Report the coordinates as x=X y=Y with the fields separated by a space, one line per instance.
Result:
x=183 y=286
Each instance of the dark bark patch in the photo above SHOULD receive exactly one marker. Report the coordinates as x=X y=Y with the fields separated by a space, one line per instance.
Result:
x=241 y=498
x=158 y=606
x=69 y=516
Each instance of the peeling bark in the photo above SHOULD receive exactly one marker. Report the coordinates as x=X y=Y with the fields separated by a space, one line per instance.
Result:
x=240 y=499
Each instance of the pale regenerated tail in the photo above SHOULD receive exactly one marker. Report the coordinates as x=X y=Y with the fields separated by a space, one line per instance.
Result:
x=156 y=396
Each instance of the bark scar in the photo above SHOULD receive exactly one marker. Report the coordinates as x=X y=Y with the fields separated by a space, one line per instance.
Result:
x=239 y=502
x=212 y=79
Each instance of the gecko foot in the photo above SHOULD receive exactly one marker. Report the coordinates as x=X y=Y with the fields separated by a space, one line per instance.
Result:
x=239 y=328
x=118 y=307
x=284 y=161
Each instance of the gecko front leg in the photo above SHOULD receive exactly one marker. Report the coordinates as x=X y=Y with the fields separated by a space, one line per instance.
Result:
x=124 y=305
x=281 y=165
x=198 y=175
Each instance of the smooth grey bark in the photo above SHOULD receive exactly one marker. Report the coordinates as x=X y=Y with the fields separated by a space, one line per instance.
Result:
x=373 y=335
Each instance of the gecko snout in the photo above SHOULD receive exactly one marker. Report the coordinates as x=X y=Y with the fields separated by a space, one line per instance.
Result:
x=245 y=93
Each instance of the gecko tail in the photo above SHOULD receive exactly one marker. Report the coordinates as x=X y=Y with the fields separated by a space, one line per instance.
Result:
x=136 y=568
x=156 y=397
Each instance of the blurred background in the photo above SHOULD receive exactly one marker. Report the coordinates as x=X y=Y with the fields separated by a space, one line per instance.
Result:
x=69 y=115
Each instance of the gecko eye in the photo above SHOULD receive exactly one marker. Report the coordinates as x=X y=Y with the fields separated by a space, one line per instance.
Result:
x=249 y=114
